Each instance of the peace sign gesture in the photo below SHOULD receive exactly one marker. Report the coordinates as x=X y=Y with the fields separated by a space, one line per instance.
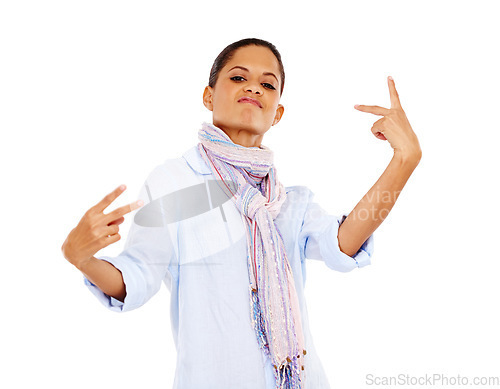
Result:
x=96 y=229
x=394 y=126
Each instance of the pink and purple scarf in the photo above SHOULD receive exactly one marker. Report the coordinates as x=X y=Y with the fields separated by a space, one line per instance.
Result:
x=274 y=305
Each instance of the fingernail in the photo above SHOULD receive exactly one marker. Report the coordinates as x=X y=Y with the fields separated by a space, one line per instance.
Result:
x=122 y=187
x=140 y=203
x=390 y=78
x=356 y=106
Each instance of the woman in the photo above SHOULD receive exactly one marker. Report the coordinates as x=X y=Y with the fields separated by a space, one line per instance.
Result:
x=230 y=242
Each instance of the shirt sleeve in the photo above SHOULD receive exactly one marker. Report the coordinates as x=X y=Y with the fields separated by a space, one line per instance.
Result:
x=144 y=261
x=318 y=239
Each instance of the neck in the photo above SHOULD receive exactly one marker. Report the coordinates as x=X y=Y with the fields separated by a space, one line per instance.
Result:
x=243 y=137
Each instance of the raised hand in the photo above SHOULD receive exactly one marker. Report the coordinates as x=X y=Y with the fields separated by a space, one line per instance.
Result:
x=394 y=126
x=96 y=230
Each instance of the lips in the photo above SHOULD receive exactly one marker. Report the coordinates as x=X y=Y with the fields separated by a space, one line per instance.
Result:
x=250 y=100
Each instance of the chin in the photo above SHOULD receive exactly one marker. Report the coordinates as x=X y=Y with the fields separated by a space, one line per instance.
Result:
x=245 y=125
x=256 y=126
x=250 y=126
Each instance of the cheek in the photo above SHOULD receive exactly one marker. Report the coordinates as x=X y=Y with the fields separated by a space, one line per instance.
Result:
x=273 y=104
x=222 y=97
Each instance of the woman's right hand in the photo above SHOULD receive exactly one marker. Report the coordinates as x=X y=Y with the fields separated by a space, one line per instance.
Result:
x=96 y=230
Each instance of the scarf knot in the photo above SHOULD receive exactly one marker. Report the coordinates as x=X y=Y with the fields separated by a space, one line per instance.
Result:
x=250 y=201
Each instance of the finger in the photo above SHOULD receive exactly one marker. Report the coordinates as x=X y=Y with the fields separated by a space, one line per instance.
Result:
x=109 y=198
x=395 y=103
x=117 y=221
x=111 y=230
x=378 y=129
x=119 y=212
x=379 y=135
x=109 y=239
x=375 y=109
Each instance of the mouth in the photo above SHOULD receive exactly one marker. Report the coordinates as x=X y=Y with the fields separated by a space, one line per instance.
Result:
x=251 y=101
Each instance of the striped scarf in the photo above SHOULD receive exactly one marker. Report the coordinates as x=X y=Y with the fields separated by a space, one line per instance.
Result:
x=274 y=305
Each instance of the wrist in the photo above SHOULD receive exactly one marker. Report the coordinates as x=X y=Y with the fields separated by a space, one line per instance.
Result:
x=408 y=158
x=83 y=264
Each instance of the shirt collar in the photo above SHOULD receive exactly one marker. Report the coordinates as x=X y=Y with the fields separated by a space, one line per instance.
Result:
x=194 y=159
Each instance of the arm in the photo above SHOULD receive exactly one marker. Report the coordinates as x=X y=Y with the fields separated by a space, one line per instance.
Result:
x=317 y=239
x=127 y=281
x=105 y=276
x=374 y=207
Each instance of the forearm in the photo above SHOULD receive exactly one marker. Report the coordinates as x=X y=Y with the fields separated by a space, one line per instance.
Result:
x=374 y=207
x=105 y=276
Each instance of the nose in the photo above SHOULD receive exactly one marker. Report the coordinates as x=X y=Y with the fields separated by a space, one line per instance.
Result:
x=253 y=88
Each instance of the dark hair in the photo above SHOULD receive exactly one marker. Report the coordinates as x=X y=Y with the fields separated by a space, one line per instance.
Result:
x=226 y=54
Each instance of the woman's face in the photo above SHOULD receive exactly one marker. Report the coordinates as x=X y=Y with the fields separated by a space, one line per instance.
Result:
x=245 y=98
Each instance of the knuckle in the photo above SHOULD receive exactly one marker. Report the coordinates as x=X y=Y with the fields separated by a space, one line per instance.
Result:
x=90 y=214
x=111 y=215
x=94 y=234
x=119 y=214
x=107 y=199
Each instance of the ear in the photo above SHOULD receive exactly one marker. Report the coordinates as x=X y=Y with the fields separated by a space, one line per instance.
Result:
x=207 y=98
x=279 y=114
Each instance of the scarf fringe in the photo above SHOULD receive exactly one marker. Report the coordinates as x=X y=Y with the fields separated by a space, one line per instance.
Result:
x=287 y=375
x=258 y=321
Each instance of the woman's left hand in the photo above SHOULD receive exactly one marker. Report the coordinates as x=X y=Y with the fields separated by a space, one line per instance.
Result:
x=394 y=126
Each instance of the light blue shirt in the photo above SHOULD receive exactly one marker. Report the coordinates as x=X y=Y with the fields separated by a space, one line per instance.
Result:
x=202 y=260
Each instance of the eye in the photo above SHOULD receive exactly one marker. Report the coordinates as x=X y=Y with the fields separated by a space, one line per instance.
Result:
x=237 y=78
x=269 y=86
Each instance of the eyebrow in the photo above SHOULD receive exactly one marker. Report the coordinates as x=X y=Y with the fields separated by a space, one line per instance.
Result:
x=243 y=68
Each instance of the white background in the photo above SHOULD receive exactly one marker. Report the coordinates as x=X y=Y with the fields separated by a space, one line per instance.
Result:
x=94 y=94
